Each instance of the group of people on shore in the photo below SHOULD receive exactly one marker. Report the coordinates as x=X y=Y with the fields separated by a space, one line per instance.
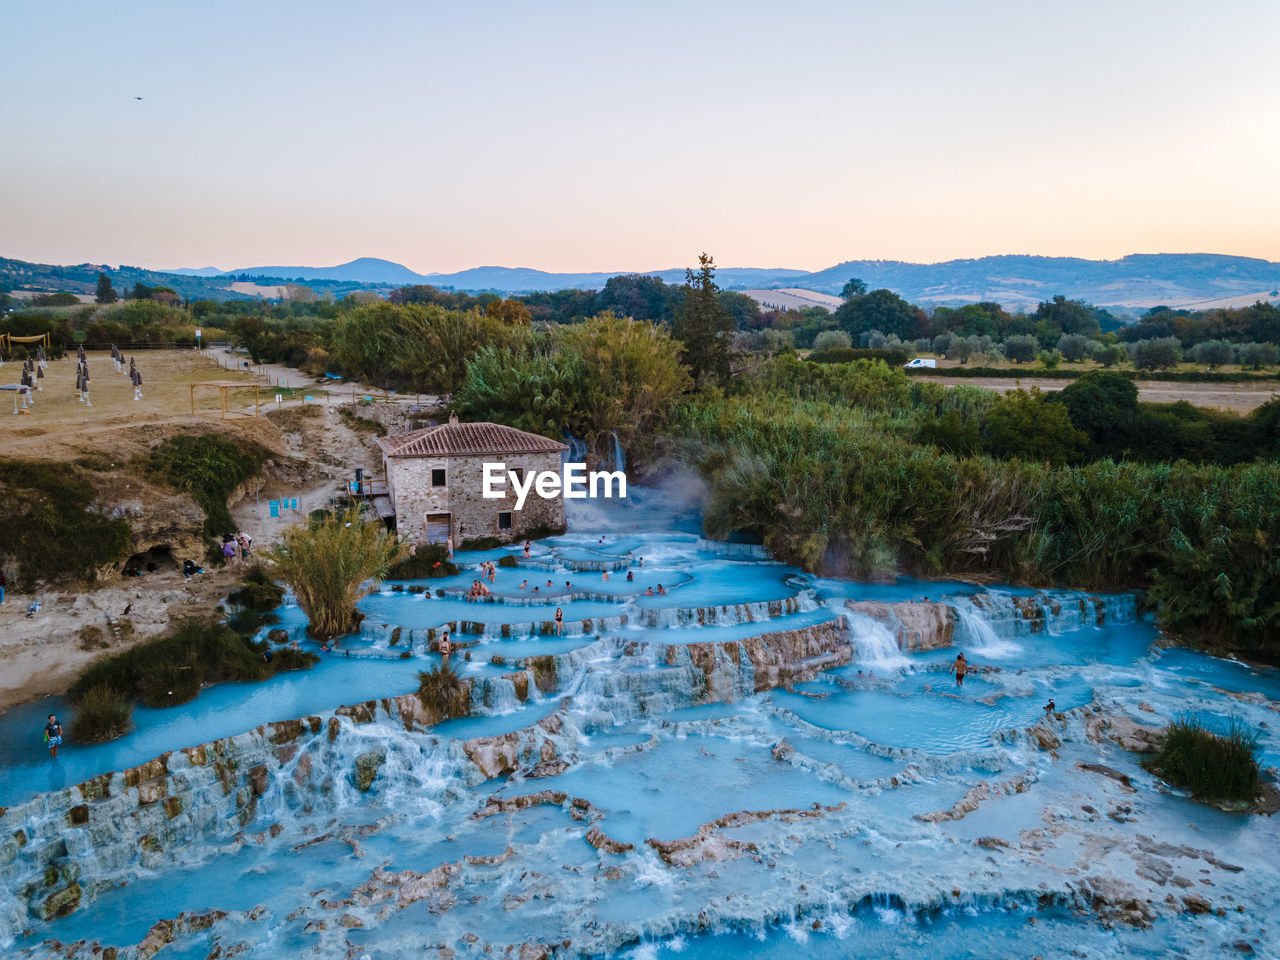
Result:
x=237 y=545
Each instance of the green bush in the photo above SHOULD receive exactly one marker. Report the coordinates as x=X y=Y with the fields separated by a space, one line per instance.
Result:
x=894 y=358
x=480 y=543
x=542 y=531
x=248 y=622
x=257 y=591
x=428 y=560
x=208 y=466
x=171 y=669
x=508 y=561
x=51 y=527
x=330 y=565
x=444 y=692
x=844 y=491
x=102 y=713
x=1213 y=766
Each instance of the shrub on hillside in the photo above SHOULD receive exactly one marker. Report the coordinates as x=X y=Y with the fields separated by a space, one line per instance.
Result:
x=208 y=466
x=1213 y=766
x=51 y=527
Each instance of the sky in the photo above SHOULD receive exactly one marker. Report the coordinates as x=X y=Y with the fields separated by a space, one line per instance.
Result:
x=631 y=136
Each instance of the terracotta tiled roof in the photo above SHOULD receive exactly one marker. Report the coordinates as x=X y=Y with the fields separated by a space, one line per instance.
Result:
x=454 y=439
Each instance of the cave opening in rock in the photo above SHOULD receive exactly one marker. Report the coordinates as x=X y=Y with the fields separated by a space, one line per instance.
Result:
x=157 y=559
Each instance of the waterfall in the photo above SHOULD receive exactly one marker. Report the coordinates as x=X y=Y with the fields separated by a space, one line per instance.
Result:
x=982 y=638
x=577 y=452
x=873 y=644
x=619 y=455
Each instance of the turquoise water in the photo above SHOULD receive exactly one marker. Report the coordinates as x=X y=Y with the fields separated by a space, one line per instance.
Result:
x=799 y=821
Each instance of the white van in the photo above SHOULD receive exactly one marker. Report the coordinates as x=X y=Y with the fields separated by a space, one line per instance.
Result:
x=919 y=362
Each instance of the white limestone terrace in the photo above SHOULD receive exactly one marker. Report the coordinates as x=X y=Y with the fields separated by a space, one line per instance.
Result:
x=759 y=762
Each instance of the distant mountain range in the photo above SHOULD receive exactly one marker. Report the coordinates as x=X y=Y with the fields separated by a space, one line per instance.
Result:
x=1130 y=284
x=1135 y=281
x=475 y=279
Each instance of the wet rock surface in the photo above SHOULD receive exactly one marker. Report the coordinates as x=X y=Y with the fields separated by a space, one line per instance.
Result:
x=631 y=791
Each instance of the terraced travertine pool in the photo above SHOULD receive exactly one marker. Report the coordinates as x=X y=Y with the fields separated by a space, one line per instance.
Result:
x=741 y=766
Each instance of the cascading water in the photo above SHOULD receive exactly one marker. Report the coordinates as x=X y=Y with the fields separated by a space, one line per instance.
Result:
x=619 y=456
x=739 y=756
x=875 y=647
x=980 y=638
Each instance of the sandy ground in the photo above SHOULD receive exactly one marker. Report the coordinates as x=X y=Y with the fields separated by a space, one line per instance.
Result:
x=1240 y=397
x=42 y=655
x=167 y=376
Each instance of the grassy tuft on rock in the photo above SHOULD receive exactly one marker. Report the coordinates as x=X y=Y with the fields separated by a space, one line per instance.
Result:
x=170 y=670
x=257 y=591
x=1214 y=766
x=444 y=692
x=429 y=560
x=102 y=713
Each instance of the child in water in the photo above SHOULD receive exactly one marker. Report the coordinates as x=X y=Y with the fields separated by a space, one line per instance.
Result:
x=53 y=736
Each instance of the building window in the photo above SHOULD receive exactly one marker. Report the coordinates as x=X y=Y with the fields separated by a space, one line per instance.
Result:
x=518 y=473
x=504 y=521
x=437 y=476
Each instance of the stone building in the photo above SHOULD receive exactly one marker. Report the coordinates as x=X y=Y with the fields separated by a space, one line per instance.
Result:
x=435 y=481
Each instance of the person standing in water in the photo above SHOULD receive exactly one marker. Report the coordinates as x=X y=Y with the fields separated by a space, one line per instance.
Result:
x=446 y=646
x=960 y=667
x=53 y=735
x=559 y=621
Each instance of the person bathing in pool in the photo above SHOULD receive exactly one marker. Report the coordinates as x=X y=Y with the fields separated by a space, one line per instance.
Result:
x=960 y=667
x=53 y=736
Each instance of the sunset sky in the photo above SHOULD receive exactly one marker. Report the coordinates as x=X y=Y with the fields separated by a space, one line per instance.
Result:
x=597 y=136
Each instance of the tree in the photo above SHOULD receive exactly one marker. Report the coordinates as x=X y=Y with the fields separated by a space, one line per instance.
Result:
x=1255 y=356
x=853 y=288
x=332 y=564
x=1074 y=347
x=105 y=293
x=1050 y=359
x=140 y=291
x=703 y=325
x=960 y=348
x=1104 y=406
x=1212 y=353
x=1021 y=348
x=1067 y=316
x=1156 y=354
x=632 y=376
x=881 y=310
x=831 y=340
x=1024 y=425
x=1108 y=354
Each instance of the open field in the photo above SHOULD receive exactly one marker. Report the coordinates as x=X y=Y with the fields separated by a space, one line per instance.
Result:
x=1240 y=397
x=792 y=298
x=167 y=376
